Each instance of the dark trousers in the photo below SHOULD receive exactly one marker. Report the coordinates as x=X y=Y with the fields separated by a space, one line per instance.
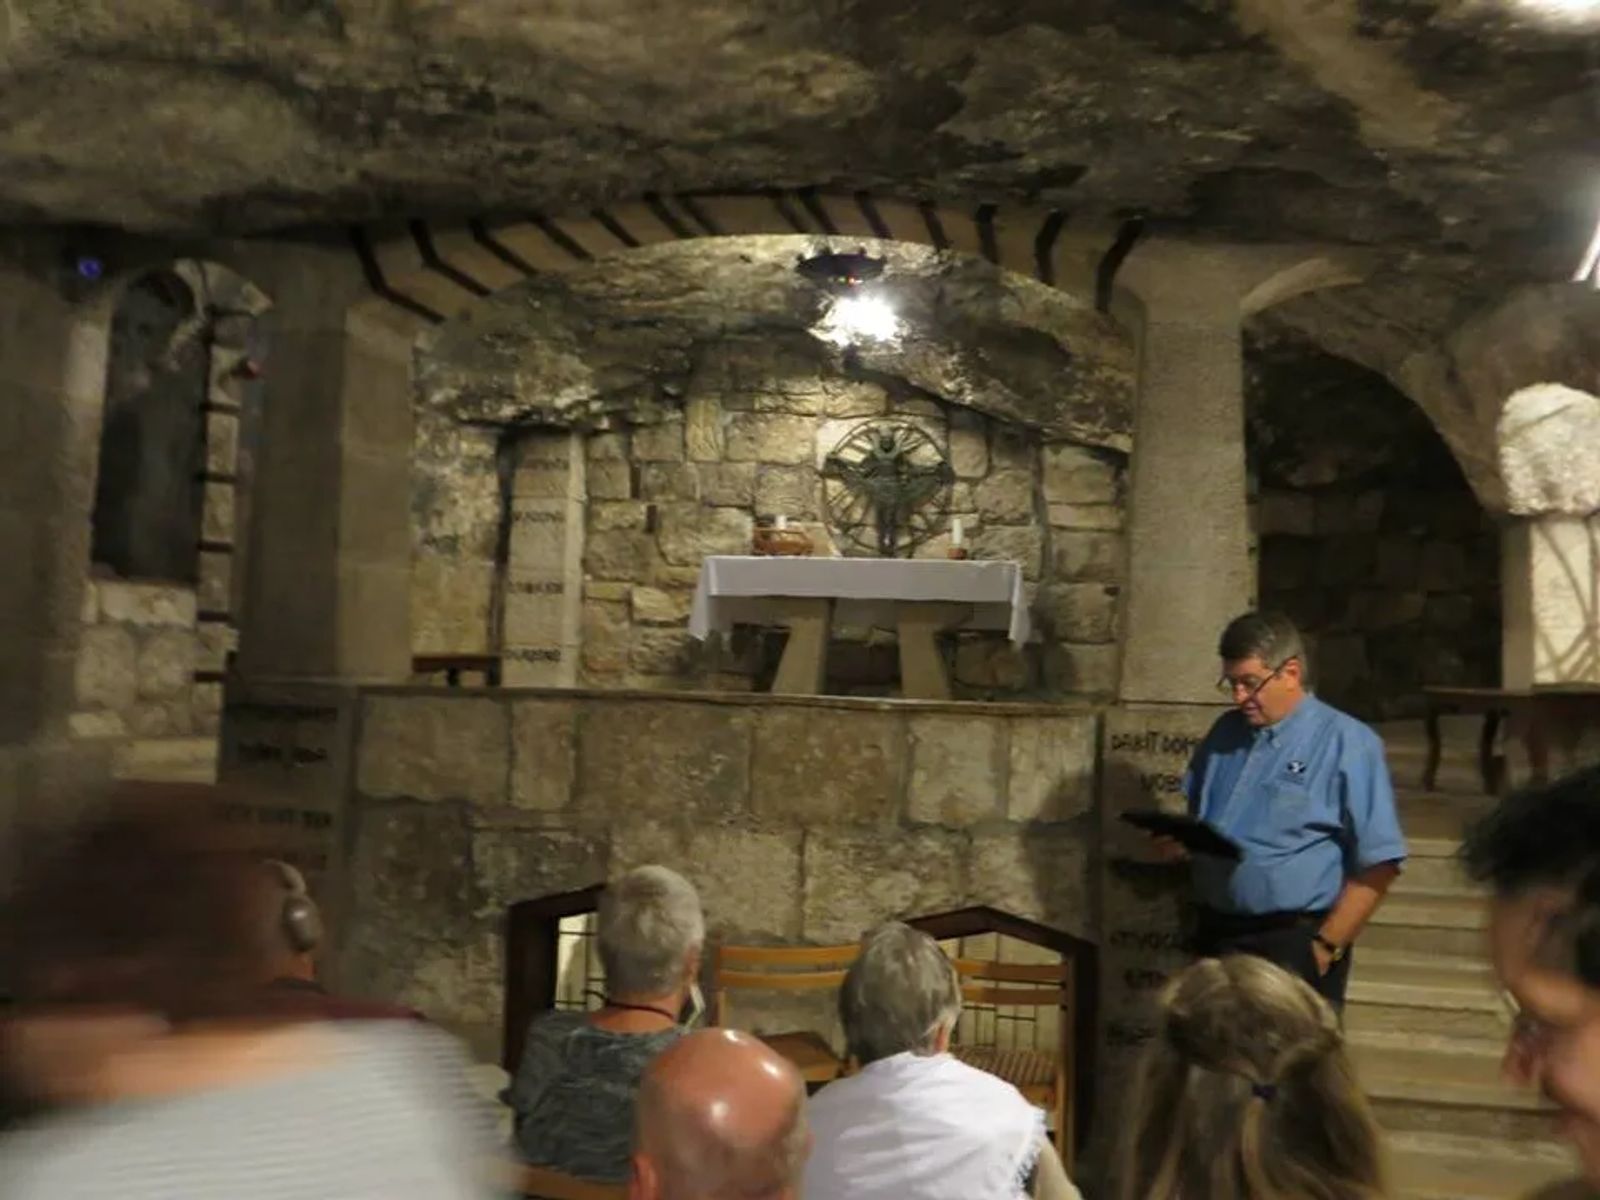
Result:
x=1281 y=938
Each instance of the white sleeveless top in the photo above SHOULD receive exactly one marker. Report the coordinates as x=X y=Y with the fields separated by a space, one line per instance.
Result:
x=921 y=1127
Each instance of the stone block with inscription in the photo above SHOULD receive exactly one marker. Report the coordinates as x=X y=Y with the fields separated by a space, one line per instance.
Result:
x=1145 y=751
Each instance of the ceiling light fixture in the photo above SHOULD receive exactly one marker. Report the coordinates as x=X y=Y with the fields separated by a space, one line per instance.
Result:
x=840 y=273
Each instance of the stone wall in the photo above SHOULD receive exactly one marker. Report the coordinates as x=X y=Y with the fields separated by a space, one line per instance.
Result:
x=137 y=658
x=1370 y=538
x=760 y=416
x=798 y=820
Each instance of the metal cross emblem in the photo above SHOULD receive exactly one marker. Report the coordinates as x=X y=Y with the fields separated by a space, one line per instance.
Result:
x=886 y=488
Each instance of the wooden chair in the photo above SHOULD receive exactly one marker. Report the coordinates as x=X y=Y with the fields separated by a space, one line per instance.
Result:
x=541 y=1183
x=1043 y=1077
x=785 y=969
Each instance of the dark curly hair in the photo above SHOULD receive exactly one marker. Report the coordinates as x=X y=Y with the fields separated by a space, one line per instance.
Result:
x=1548 y=836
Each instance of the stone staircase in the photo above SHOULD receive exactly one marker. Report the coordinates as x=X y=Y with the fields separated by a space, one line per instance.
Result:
x=1425 y=1020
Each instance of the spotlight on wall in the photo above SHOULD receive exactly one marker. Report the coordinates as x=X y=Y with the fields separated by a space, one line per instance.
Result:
x=851 y=320
x=249 y=368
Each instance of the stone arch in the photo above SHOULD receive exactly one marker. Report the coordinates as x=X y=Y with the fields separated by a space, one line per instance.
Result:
x=168 y=618
x=428 y=274
x=424 y=275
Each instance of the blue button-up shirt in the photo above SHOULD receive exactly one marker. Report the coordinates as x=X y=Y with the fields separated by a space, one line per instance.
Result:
x=1308 y=800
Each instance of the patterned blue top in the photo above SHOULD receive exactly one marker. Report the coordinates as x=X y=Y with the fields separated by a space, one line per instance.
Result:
x=574 y=1094
x=1308 y=799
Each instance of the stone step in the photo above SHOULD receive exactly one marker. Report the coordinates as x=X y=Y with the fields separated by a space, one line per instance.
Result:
x=1417 y=921
x=168 y=760
x=1425 y=908
x=1435 y=999
x=1426 y=872
x=1433 y=1090
x=1444 y=1166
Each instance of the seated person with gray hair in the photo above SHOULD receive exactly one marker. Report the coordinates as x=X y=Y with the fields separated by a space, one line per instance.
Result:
x=575 y=1088
x=915 y=1123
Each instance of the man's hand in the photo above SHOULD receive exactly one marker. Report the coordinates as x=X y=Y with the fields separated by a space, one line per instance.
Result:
x=1169 y=850
x=1323 y=957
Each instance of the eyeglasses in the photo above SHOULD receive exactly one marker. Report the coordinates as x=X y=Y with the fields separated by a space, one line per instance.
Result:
x=1230 y=687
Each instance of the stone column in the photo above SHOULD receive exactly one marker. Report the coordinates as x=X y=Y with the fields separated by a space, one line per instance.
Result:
x=544 y=578
x=52 y=379
x=330 y=555
x=1189 y=568
x=1189 y=564
x=1189 y=572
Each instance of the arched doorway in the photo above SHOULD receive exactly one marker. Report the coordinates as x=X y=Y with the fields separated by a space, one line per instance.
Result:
x=178 y=446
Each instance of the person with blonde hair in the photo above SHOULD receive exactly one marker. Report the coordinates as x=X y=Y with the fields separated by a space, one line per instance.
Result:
x=1246 y=1093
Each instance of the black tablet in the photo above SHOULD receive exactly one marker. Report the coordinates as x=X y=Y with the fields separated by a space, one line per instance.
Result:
x=1194 y=836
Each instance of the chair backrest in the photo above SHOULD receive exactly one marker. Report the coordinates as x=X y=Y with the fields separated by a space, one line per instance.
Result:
x=1016 y=985
x=776 y=968
x=541 y=1183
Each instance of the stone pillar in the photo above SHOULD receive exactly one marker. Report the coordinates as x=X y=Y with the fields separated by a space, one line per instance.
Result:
x=1189 y=564
x=1550 y=601
x=330 y=556
x=52 y=379
x=544 y=577
x=1189 y=572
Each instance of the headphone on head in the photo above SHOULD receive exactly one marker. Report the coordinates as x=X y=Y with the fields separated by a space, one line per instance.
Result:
x=302 y=923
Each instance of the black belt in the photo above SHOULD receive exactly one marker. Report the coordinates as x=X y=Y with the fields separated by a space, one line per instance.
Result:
x=1225 y=924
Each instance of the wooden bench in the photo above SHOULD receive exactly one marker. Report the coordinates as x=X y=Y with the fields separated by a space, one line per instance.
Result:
x=1538 y=718
x=453 y=665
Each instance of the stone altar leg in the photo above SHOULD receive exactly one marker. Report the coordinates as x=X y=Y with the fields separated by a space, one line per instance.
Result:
x=803 y=669
x=922 y=671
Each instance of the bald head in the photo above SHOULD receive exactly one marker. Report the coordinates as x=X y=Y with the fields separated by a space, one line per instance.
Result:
x=721 y=1117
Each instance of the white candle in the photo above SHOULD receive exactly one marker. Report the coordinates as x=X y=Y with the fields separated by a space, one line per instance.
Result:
x=783 y=522
x=955 y=532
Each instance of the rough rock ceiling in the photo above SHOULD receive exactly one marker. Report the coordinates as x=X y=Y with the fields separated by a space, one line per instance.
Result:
x=1439 y=127
x=624 y=337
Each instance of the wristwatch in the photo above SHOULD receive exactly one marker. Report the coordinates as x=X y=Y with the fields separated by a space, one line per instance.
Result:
x=1335 y=951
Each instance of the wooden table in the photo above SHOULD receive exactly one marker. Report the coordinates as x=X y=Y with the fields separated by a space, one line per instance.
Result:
x=1536 y=717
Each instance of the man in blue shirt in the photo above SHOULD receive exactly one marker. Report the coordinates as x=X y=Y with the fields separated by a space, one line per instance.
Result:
x=1304 y=790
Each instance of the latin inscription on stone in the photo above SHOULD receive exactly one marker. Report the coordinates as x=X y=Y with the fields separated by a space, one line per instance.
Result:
x=1146 y=752
x=285 y=763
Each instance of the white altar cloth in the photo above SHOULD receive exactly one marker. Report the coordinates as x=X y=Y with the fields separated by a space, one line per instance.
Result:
x=733 y=589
